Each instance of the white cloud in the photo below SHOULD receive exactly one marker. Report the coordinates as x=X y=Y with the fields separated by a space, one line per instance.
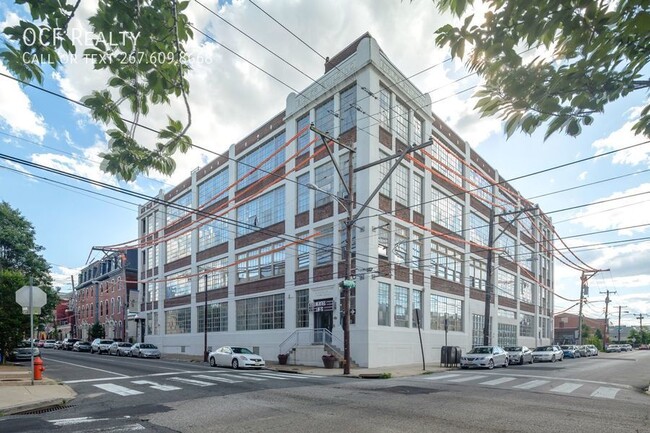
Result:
x=624 y=137
x=61 y=276
x=16 y=109
x=582 y=176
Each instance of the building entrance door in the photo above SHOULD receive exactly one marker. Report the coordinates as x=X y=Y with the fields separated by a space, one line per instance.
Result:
x=323 y=321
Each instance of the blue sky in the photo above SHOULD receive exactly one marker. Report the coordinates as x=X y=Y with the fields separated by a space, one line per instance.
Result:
x=230 y=98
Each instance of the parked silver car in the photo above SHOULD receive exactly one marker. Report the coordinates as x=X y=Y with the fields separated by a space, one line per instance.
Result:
x=144 y=350
x=119 y=348
x=519 y=355
x=100 y=345
x=548 y=353
x=485 y=356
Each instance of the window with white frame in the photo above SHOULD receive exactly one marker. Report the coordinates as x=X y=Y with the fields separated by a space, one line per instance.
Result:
x=384 y=108
x=444 y=307
x=506 y=244
x=216 y=273
x=325 y=246
x=507 y=335
x=418 y=127
x=447 y=163
x=478 y=274
x=152 y=291
x=478 y=230
x=507 y=314
x=324 y=180
x=150 y=261
x=505 y=284
x=446 y=211
x=213 y=189
x=416 y=304
x=401 y=307
x=526 y=322
x=178 y=284
x=343 y=164
x=383 y=172
x=213 y=233
x=416 y=200
x=400 y=252
x=264 y=211
x=479 y=186
x=446 y=262
x=178 y=321
x=478 y=324
x=402 y=185
x=265 y=312
x=260 y=162
x=178 y=247
x=401 y=121
x=325 y=116
x=525 y=258
x=383 y=239
x=525 y=291
x=383 y=304
x=302 y=195
x=153 y=327
x=183 y=205
x=303 y=139
x=217 y=317
x=416 y=252
x=302 y=308
x=302 y=253
x=259 y=263
x=348 y=109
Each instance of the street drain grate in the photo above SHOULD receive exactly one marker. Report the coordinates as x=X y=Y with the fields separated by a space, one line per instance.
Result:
x=45 y=409
x=409 y=390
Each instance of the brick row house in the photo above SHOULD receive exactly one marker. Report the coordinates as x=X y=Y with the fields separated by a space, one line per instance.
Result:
x=258 y=234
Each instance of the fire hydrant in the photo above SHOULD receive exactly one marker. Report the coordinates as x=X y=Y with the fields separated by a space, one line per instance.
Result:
x=38 y=368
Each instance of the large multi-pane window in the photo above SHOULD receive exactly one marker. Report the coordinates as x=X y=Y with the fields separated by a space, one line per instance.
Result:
x=478 y=274
x=478 y=323
x=213 y=233
x=325 y=116
x=400 y=252
x=417 y=131
x=401 y=307
x=480 y=187
x=259 y=263
x=416 y=252
x=525 y=258
x=507 y=335
x=402 y=185
x=383 y=172
x=348 y=109
x=446 y=211
x=265 y=312
x=416 y=200
x=383 y=239
x=151 y=288
x=303 y=139
x=178 y=321
x=447 y=163
x=507 y=245
x=217 y=317
x=526 y=322
x=505 y=284
x=302 y=308
x=263 y=211
x=525 y=291
x=178 y=247
x=150 y=260
x=178 y=284
x=153 y=327
x=302 y=253
x=216 y=273
x=324 y=180
x=446 y=262
x=507 y=314
x=416 y=304
x=302 y=196
x=251 y=167
x=325 y=246
x=182 y=208
x=384 y=108
x=478 y=230
x=383 y=304
x=344 y=165
x=401 y=121
x=443 y=308
x=213 y=189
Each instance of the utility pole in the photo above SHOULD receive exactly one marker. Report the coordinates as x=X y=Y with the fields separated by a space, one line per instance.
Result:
x=489 y=286
x=640 y=317
x=618 y=340
x=607 y=301
x=584 y=292
x=205 y=320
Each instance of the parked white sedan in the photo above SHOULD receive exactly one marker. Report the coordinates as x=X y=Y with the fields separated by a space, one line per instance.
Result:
x=484 y=356
x=235 y=357
x=548 y=353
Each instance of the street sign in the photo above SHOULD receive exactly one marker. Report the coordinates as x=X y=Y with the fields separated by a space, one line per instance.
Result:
x=39 y=298
x=35 y=310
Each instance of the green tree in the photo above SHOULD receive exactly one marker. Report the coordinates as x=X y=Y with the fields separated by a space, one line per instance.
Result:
x=20 y=255
x=96 y=331
x=597 y=54
x=13 y=326
x=140 y=44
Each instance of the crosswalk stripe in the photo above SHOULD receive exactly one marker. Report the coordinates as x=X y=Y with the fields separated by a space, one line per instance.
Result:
x=191 y=381
x=216 y=378
x=441 y=376
x=605 y=392
x=247 y=376
x=499 y=381
x=273 y=376
x=292 y=375
x=117 y=389
x=531 y=384
x=468 y=378
x=157 y=386
x=566 y=388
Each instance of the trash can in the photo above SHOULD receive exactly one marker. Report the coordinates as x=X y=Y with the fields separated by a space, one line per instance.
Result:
x=450 y=356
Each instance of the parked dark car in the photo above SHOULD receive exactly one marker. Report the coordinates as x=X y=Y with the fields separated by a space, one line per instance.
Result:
x=69 y=342
x=81 y=346
x=23 y=352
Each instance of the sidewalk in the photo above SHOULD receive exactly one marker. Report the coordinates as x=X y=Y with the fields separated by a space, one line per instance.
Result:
x=47 y=392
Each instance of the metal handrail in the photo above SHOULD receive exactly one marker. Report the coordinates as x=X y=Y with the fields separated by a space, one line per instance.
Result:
x=306 y=337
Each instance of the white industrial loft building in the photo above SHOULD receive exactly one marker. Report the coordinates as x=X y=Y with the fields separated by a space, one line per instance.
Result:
x=272 y=250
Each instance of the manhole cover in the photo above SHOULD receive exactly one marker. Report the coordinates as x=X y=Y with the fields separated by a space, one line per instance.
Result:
x=409 y=390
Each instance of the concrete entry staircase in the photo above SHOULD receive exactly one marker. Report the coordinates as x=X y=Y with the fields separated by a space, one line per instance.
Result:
x=307 y=346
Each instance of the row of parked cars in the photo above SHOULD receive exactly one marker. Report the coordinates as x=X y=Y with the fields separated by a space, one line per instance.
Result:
x=494 y=356
x=620 y=348
x=110 y=347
